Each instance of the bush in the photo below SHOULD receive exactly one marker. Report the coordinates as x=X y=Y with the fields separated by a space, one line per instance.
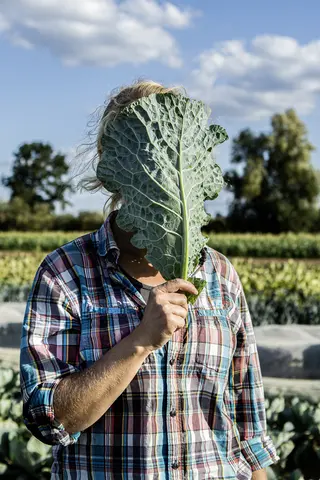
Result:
x=17 y=215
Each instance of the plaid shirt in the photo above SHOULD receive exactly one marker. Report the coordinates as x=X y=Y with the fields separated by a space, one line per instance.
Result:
x=195 y=409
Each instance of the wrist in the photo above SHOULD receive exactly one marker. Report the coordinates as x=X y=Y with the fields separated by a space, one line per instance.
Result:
x=140 y=342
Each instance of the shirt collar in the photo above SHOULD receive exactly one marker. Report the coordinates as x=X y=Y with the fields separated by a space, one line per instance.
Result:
x=105 y=241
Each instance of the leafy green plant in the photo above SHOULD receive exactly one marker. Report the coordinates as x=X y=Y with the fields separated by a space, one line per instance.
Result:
x=294 y=424
x=283 y=311
x=158 y=154
x=281 y=279
x=22 y=456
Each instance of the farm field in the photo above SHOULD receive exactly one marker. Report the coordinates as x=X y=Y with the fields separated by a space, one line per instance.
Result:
x=279 y=289
x=235 y=245
x=265 y=277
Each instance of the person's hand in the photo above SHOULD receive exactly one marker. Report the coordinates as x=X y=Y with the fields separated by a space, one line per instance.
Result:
x=165 y=313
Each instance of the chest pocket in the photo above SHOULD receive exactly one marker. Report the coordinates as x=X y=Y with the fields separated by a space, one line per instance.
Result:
x=214 y=339
x=103 y=328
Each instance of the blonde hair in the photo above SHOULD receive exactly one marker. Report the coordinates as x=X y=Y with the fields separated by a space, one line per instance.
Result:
x=119 y=99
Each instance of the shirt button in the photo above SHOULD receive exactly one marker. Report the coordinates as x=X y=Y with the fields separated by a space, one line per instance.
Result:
x=175 y=464
x=173 y=412
x=171 y=361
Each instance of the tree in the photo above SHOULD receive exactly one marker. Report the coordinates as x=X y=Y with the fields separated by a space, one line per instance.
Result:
x=37 y=176
x=278 y=187
x=17 y=215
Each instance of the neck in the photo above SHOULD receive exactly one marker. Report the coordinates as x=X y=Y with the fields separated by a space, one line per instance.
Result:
x=128 y=252
x=133 y=260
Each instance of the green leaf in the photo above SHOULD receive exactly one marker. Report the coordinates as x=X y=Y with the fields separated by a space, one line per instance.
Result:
x=6 y=428
x=296 y=475
x=3 y=468
x=5 y=407
x=6 y=377
x=157 y=154
x=199 y=284
x=278 y=405
x=40 y=450
x=16 y=411
x=288 y=427
x=20 y=456
x=271 y=474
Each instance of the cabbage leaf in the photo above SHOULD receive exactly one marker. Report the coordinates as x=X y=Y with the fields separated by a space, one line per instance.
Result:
x=158 y=154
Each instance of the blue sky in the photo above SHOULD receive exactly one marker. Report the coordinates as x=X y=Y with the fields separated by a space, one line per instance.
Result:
x=61 y=58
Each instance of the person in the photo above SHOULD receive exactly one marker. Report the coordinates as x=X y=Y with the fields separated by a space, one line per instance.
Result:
x=116 y=383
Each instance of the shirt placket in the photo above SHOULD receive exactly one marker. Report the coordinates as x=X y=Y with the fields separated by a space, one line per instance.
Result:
x=175 y=414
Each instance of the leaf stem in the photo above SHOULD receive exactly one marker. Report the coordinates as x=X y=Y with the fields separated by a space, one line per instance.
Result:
x=185 y=242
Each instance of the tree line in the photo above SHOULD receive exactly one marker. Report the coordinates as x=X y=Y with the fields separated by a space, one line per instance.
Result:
x=274 y=185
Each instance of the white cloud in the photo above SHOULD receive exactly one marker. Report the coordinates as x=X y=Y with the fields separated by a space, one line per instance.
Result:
x=273 y=74
x=4 y=25
x=96 y=32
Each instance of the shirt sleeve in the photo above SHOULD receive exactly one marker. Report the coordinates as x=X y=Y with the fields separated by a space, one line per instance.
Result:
x=248 y=393
x=49 y=351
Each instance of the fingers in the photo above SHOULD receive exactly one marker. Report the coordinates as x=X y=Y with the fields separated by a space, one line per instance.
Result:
x=178 y=299
x=180 y=322
x=179 y=311
x=177 y=284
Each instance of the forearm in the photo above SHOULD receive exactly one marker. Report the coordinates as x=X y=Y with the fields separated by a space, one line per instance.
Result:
x=259 y=475
x=82 y=398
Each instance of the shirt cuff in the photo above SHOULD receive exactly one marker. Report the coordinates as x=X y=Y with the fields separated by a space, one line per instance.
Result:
x=38 y=416
x=259 y=452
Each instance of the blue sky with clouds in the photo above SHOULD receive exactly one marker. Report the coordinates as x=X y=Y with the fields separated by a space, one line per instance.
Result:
x=61 y=58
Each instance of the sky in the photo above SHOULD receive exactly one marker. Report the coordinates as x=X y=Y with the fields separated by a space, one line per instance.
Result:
x=60 y=60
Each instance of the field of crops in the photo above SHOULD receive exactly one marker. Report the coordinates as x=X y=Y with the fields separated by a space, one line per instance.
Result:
x=35 y=241
x=277 y=291
x=279 y=278
x=269 y=246
x=247 y=245
x=280 y=274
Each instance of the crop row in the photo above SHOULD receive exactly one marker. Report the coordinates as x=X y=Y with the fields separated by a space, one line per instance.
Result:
x=35 y=241
x=277 y=279
x=268 y=246
x=234 y=245
x=277 y=292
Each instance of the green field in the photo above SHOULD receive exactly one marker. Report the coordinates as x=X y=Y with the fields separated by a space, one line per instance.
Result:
x=234 y=245
x=281 y=278
x=280 y=274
